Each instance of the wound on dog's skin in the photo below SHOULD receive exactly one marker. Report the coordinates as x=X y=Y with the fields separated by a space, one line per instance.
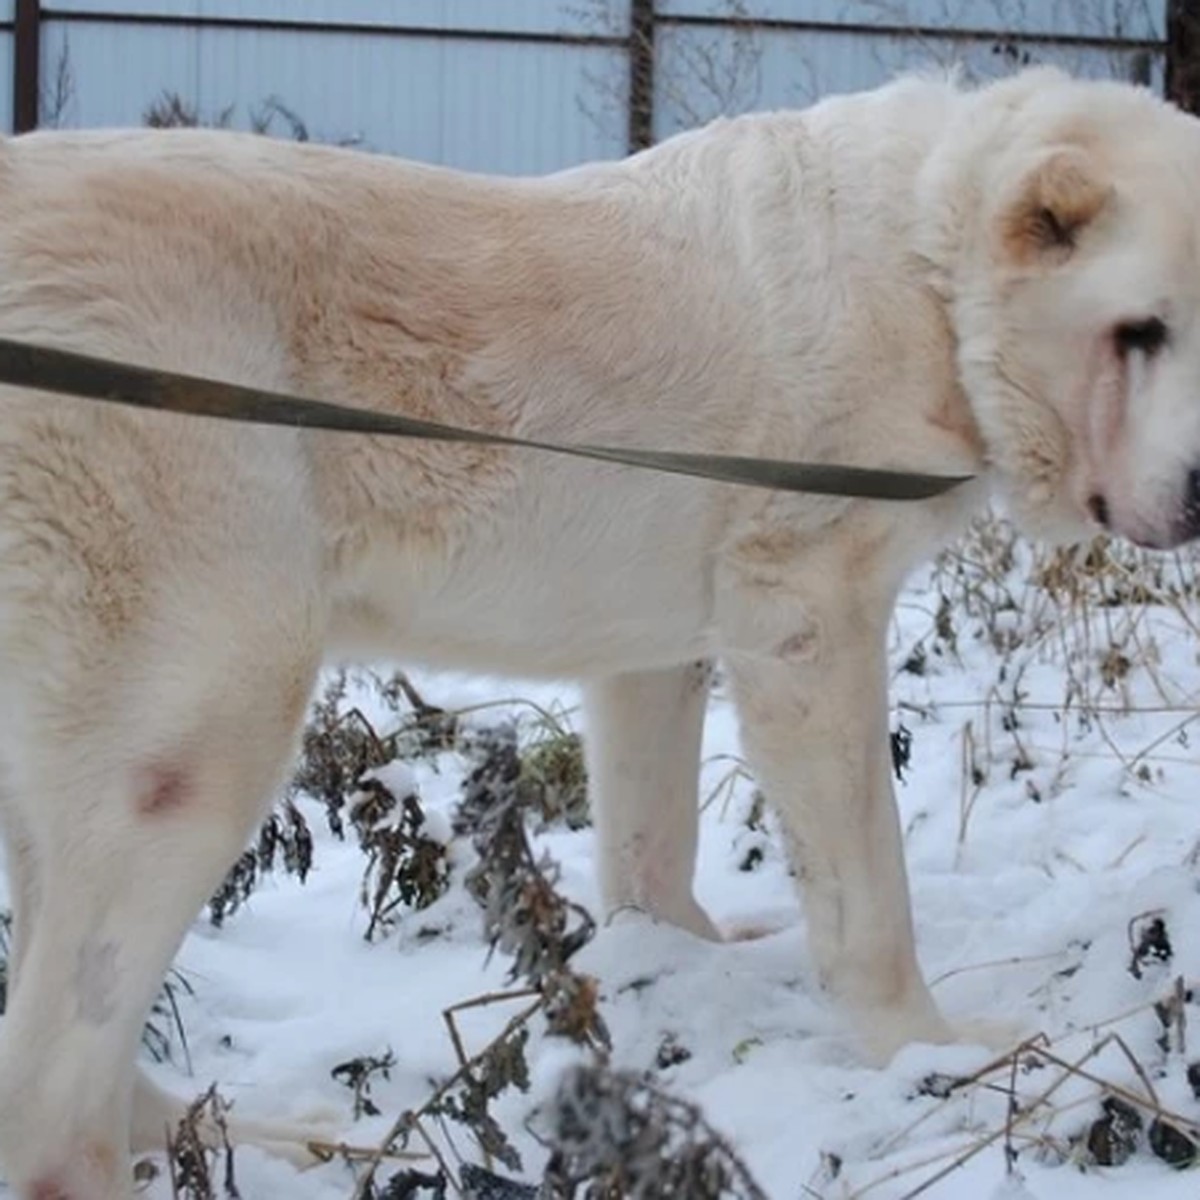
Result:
x=165 y=790
x=801 y=646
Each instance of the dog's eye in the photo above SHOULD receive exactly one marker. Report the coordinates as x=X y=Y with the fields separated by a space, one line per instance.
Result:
x=1147 y=337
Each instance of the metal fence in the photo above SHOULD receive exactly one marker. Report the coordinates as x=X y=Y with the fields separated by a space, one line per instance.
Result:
x=531 y=85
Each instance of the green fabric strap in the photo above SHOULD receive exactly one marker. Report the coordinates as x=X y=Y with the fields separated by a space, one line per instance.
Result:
x=85 y=376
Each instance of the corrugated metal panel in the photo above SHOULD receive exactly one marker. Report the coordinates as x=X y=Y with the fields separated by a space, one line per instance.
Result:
x=1123 y=18
x=6 y=57
x=524 y=16
x=529 y=107
x=702 y=73
x=509 y=107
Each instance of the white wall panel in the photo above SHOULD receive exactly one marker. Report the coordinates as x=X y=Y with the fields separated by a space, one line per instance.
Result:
x=498 y=106
x=526 y=16
x=703 y=72
x=499 y=103
x=1124 y=18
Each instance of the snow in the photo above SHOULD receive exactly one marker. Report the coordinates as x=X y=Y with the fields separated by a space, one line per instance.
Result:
x=1027 y=889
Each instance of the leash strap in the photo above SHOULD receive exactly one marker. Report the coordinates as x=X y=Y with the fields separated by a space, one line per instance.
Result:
x=81 y=375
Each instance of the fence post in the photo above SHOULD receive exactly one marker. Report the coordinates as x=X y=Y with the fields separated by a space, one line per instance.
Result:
x=27 y=63
x=641 y=74
x=1183 y=54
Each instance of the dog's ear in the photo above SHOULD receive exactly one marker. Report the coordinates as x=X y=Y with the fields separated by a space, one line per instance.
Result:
x=1050 y=207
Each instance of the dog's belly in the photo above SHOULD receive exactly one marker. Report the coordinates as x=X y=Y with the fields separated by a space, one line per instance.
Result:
x=561 y=631
x=568 y=597
x=552 y=625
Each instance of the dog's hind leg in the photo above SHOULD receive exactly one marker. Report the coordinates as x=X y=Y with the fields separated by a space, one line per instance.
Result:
x=642 y=732
x=156 y=1112
x=134 y=811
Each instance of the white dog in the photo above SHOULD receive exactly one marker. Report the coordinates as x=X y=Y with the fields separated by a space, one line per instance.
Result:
x=1003 y=281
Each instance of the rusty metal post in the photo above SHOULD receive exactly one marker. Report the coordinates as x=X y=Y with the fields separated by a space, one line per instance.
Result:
x=1183 y=54
x=641 y=74
x=27 y=65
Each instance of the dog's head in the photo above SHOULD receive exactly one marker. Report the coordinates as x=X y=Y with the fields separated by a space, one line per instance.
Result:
x=1067 y=238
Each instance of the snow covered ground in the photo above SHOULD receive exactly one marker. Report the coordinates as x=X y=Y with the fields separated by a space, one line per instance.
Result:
x=1042 y=837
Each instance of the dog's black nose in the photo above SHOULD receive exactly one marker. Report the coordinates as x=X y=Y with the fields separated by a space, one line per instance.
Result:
x=1192 y=499
x=1190 y=525
x=1098 y=507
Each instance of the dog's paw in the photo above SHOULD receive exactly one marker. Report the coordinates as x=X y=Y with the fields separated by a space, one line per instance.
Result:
x=1000 y=1036
x=886 y=1034
x=755 y=926
x=686 y=915
x=746 y=931
x=303 y=1141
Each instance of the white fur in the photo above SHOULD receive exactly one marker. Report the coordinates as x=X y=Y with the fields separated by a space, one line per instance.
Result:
x=844 y=284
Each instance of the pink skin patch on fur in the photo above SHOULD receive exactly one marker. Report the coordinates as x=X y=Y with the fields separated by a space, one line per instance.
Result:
x=48 y=1189
x=800 y=646
x=165 y=790
x=751 y=931
x=99 y=1164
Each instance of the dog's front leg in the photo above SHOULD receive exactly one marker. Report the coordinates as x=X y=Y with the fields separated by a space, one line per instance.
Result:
x=812 y=700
